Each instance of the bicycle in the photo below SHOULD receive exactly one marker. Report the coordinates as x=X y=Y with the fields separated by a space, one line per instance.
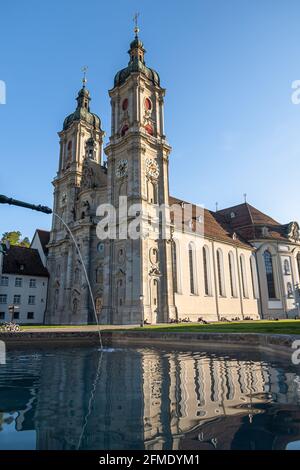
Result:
x=10 y=327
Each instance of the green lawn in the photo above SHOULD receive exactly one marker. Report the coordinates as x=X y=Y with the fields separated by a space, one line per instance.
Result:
x=261 y=326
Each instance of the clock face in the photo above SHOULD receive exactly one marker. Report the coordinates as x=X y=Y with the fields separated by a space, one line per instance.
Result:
x=122 y=168
x=152 y=168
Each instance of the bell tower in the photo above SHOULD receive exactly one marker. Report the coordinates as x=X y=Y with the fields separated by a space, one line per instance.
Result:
x=139 y=267
x=79 y=187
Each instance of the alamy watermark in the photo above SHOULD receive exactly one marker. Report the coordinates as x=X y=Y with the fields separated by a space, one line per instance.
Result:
x=2 y=353
x=2 y=92
x=135 y=221
x=296 y=353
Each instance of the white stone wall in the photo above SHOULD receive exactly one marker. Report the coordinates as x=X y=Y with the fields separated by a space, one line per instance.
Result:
x=213 y=306
x=40 y=293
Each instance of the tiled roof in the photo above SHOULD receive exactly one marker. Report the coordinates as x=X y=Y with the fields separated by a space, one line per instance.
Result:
x=44 y=237
x=251 y=224
x=214 y=226
x=23 y=261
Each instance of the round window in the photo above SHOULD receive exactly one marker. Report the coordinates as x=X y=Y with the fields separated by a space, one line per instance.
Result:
x=100 y=247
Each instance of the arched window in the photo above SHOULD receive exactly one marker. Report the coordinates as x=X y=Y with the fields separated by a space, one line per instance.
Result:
x=254 y=277
x=69 y=150
x=270 y=274
x=232 y=274
x=148 y=104
x=191 y=269
x=174 y=262
x=243 y=276
x=152 y=192
x=205 y=254
x=149 y=129
x=298 y=264
x=220 y=269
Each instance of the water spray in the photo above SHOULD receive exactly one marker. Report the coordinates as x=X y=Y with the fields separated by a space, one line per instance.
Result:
x=47 y=210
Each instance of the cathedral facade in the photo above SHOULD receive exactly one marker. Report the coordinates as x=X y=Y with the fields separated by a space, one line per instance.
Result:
x=151 y=257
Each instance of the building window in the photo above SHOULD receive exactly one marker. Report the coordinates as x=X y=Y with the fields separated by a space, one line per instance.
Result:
x=30 y=315
x=191 y=267
x=205 y=270
x=2 y=315
x=149 y=129
x=148 y=104
x=232 y=274
x=4 y=281
x=174 y=259
x=254 y=277
x=17 y=299
x=125 y=104
x=32 y=283
x=16 y=315
x=3 y=299
x=270 y=274
x=31 y=300
x=18 y=282
x=220 y=273
x=243 y=277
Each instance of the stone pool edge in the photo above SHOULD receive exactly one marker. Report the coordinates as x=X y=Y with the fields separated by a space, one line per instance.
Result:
x=273 y=343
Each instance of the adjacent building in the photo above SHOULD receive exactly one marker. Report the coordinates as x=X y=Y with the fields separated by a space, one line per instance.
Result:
x=24 y=281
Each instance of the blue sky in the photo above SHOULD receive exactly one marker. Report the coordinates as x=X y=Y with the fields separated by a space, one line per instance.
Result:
x=227 y=65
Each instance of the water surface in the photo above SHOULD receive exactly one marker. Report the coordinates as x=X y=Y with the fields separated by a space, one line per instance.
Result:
x=143 y=398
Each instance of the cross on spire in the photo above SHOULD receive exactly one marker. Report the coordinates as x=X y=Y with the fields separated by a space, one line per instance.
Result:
x=84 y=79
x=245 y=197
x=135 y=20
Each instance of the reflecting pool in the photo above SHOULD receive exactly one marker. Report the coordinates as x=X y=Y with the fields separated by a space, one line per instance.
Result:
x=147 y=398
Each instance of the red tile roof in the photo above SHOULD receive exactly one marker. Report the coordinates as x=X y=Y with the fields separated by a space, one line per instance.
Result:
x=214 y=227
x=250 y=223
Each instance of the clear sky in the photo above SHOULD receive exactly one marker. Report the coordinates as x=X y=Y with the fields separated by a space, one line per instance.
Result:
x=227 y=65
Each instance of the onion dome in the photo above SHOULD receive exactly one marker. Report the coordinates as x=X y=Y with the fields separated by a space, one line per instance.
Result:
x=136 y=64
x=82 y=112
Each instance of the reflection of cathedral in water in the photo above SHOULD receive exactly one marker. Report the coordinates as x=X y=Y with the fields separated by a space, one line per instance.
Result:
x=149 y=399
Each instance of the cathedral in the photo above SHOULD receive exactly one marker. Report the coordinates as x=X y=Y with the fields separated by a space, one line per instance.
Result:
x=184 y=262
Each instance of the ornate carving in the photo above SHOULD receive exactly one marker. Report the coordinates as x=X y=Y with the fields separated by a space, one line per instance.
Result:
x=293 y=232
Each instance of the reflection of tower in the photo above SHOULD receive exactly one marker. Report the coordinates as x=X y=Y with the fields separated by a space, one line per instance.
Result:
x=137 y=157
x=79 y=187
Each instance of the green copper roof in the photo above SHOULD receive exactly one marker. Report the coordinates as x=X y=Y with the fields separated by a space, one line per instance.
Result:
x=82 y=112
x=136 y=65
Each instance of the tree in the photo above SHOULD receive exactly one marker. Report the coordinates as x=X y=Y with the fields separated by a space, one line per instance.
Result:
x=15 y=238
